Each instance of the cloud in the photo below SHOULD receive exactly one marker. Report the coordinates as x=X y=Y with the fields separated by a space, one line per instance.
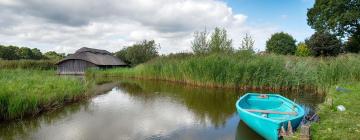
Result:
x=66 y=25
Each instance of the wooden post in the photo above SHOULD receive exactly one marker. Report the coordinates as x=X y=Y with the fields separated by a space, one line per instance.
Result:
x=290 y=130
x=282 y=131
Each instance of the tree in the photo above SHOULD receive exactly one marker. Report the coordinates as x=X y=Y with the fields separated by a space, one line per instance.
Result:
x=36 y=54
x=139 y=53
x=9 y=53
x=25 y=53
x=219 y=42
x=324 y=44
x=247 y=43
x=340 y=17
x=53 y=55
x=281 y=43
x=200 y=44
x=353 y=45
x=302 y=50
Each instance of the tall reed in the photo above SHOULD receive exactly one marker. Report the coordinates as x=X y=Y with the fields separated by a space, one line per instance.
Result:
x=28 y=92
x=28 y=64
x=244 y=70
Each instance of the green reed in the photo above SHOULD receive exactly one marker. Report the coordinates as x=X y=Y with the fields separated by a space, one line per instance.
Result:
x=243 y=70
x=28 y=92
x=28 y=64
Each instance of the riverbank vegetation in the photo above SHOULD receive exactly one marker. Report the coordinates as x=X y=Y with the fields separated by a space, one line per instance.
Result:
x=336 y=124
x=28 y=92
x=28 y=64
x=246 y=70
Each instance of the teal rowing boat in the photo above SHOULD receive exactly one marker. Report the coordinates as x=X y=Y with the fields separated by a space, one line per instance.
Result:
x=269 y=114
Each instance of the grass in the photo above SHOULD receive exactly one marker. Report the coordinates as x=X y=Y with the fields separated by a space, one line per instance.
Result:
x=28 y=64
x=334 y=124
x=244 y=70
x=28 y=92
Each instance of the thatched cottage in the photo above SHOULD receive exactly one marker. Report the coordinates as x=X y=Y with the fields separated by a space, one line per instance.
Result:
x=85 y=58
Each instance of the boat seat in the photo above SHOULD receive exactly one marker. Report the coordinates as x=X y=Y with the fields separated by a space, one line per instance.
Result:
x=271 y=112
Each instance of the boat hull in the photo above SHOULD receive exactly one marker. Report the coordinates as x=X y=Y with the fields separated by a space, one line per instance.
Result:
x=267 y=127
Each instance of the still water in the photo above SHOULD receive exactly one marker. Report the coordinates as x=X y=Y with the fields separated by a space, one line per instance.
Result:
x=131 y=109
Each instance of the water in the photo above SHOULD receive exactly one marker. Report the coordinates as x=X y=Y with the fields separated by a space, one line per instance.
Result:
x=146 y=110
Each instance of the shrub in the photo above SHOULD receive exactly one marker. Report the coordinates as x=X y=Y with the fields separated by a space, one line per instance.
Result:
x=324 y=44
x=281 y=43
x=353 y=45
x=302 y=50
x=138 y=53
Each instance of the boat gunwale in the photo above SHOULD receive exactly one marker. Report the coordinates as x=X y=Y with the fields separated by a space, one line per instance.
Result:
x=300 y=112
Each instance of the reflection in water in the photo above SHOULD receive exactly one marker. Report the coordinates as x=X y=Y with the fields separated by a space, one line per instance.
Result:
x=145 y=110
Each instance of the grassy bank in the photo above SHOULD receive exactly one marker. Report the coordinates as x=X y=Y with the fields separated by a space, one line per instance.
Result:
x=336 y=124
x=244 y=70
x=28 y=64
x=28 y=92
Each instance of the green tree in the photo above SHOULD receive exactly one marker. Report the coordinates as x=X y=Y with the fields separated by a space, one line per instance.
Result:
x=219 y=42
x=139 y=53
x=302 y=50
x=247 y=43
x=324 y=44
x=281 y=43
x=353 y=45
x=25 y=53
x=9 y=53
x=53 y=55
x=340 y=17
x=36 y=54
x=200 y=44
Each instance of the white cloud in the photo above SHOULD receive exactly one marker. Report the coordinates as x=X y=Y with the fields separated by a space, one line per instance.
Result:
x=66 y=25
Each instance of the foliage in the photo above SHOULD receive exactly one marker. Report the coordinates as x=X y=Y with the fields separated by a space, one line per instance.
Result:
x=27 y=92
x=200 y=44
x=353 y=44
x=335 y=124
x=247 y=43
x=138 y=53
x=281 y=43
x=15 y=53
x=28 y=64
x=218 y=43
x=324 y=44
x=54 y=56
x=302 y=50
x=340 y=17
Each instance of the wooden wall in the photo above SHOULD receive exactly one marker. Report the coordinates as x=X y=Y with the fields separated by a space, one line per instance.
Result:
x=74 y=67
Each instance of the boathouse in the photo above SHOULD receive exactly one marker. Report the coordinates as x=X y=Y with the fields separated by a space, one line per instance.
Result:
x=85 y=58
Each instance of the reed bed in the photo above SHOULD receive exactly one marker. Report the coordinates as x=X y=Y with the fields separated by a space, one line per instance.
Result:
x=28 y=64
x=28 y=92
x=244 y=70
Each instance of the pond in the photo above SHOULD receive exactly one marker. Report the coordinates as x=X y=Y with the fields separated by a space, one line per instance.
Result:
x=132 y=109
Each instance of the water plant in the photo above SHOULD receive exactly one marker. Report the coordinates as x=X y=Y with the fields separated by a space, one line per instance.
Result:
x=28 y=92
x=246 y=70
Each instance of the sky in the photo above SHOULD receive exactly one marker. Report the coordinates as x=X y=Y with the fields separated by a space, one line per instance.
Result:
x=67 y=25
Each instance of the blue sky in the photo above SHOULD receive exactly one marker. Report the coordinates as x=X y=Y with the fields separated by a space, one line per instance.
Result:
x=286 y=15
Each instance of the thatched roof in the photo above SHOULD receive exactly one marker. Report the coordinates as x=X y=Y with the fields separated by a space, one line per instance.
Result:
x=95 y=56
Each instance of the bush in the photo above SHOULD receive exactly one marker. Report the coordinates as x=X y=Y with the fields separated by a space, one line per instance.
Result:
x=324 y=44
x=281 y=43
x=353 y=45
x=138 y=53
x=302 y=50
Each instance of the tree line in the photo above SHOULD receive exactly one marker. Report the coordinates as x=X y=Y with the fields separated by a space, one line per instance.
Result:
x=16 y=53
